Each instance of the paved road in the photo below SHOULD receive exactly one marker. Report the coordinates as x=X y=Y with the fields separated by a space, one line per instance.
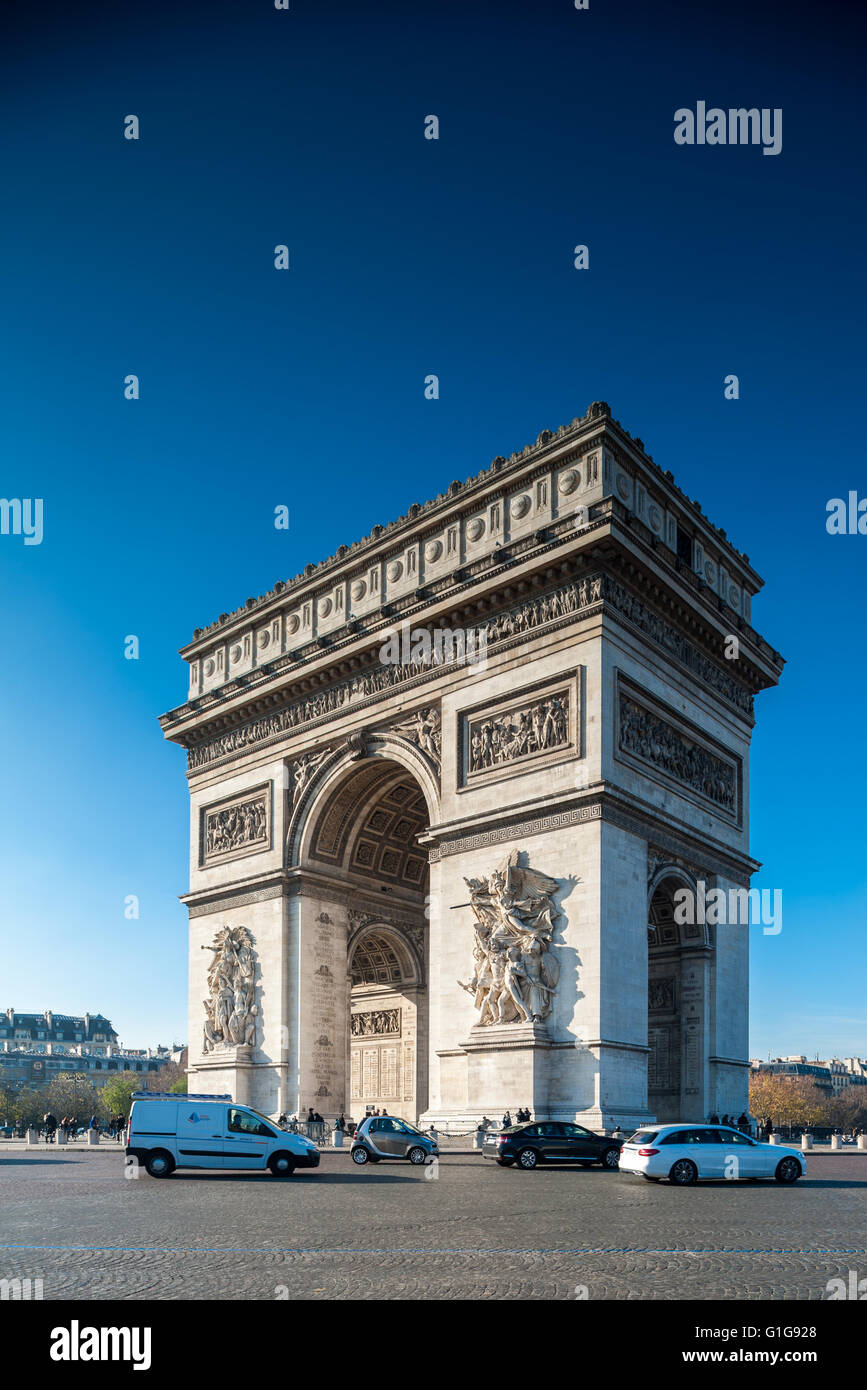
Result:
x=388 y=1233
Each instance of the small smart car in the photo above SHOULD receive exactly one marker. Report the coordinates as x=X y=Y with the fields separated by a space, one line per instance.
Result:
x=387 y=1136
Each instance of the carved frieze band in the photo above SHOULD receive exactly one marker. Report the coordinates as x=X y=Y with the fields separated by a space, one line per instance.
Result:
x=667 y=637
x=236 y=827
x=377 y=1023
x=648 y=736
x=517 y=831
x=548 y=610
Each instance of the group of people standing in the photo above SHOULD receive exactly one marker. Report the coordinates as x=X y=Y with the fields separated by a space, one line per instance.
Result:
x=742 y=1123
x=522 y=1117
x=69 y=1126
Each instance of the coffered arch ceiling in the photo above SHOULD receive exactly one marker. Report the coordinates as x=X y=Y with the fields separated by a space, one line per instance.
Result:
x=370 y=826
x=664 y=930
x=375 y=961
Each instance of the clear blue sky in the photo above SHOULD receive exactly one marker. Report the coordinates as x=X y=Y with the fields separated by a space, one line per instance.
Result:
x=409 y=257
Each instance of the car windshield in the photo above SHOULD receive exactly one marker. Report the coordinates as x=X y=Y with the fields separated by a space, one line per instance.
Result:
x=396 y=1123
x=260 y=1116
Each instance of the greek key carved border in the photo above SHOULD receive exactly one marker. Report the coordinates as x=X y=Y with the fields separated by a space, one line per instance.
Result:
x=518 y=830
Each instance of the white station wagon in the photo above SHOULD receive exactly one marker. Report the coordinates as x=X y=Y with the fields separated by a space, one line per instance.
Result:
x=687 y=1152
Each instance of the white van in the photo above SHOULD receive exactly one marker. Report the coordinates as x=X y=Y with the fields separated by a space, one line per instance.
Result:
x=168 y=1131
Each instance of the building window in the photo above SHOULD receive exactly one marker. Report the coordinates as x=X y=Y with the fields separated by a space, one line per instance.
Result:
x=684 y=546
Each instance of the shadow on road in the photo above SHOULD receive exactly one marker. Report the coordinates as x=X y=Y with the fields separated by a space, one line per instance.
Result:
x=245 y=1175
x=7 y=1162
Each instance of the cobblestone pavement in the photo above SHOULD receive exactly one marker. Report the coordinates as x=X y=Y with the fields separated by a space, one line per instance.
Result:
x=389 y=1233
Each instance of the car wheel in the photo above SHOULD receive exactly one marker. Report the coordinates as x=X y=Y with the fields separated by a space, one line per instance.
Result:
x=611 y=1158
x=160 y=1164
x=683 y=1173
x=281 y=1165
x=528 y=1158
x=788 y=1170
x=360 y=1156
x=416 y=1155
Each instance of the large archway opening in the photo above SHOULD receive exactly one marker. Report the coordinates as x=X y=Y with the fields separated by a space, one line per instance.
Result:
x=678 y=993
x=387 y=1003
x=364 y=838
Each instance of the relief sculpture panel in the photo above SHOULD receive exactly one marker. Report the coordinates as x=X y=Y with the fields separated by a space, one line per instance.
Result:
x=505 y=737
x=646 y=735
x=236 y=827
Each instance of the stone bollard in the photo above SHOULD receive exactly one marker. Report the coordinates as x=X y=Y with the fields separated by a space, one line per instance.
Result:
x=337 y=1139
x=479 y=1139
x=93 y=1136
x=774 y=1139
x=836 y=1141
x=61 y=1136
x=33 y=1136
x=862 y=1141
x=806 y=1141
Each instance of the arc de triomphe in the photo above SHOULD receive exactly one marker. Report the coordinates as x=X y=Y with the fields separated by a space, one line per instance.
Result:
x=445 y=786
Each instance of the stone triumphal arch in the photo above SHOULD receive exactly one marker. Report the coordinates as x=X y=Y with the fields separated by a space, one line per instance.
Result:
x=447 y=788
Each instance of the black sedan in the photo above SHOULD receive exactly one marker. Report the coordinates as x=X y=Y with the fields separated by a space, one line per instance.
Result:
x=551 y=1141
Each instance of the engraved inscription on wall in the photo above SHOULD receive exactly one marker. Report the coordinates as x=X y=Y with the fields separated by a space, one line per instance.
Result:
x=323 y=1002
x=389 y=1079
x=660 y=1069
x=236 y=827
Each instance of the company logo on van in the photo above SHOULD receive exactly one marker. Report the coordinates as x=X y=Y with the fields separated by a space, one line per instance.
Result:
x=194 y=1119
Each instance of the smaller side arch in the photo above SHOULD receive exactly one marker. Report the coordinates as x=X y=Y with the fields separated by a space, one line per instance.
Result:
x=679 y=877
x=412 y=967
